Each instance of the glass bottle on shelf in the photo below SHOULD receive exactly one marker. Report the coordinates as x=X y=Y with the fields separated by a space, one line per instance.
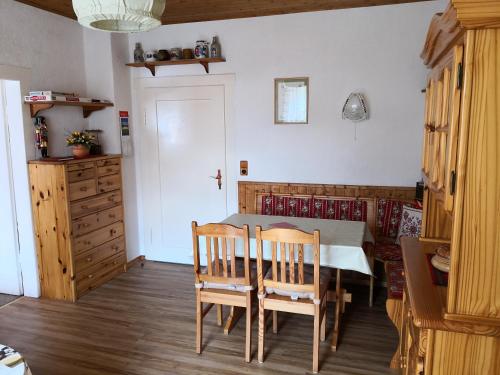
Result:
x=215 y=49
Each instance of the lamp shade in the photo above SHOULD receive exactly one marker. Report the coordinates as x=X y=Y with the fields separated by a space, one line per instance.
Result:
x=355 y=108
x=125 y=16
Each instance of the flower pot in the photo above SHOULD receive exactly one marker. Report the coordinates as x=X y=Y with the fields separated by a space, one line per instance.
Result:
x=80 y=151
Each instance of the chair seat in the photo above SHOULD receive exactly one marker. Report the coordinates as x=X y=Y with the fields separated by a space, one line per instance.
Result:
x=324 y=280
x=388 y=251
x=240 y=272
x=395 y=279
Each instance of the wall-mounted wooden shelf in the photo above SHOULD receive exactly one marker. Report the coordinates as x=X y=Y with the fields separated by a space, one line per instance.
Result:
x=152 y=65
x=87 y=108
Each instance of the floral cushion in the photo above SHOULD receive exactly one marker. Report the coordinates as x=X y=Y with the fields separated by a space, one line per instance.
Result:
x=389 y=213
x=411 y=221
x=395 y=279
x=277 y=205
x=320 y=208
x=388 y=251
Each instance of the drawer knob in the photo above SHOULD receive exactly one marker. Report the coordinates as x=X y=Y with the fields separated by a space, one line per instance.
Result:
x=87 y=242
x=114 y=247
x=115 y=262
x=90 y=276
x=83 y=188
x=89 y=259
x=112 y=216
x=84 y=207
x=79 y=174
x=109 y=170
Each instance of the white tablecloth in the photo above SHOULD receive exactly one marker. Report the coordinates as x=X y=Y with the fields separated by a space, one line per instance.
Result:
x=341 y=241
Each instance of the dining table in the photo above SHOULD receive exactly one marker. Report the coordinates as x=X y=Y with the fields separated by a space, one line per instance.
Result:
x=341 y=248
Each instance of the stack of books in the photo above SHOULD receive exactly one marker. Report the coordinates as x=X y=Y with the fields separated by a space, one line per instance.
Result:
x=55 y=96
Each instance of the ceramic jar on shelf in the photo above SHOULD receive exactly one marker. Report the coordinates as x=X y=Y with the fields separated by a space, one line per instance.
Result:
x=201 y=50
x=175 y=54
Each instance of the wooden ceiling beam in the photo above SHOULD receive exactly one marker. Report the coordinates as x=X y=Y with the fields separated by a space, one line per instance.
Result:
x=184 y=11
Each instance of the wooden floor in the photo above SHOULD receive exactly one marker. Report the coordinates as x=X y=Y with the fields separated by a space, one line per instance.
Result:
x=6 y=298
x=142 y=323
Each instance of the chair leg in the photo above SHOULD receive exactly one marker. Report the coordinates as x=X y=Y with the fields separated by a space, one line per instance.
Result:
x=323 y=322
x=275 y=322
x=219 y=315
x=199 y=321
x=262 y=330
x=248 y=337
x=338 y=312
x=317 y=328
x=371 y=261
x=372 y=282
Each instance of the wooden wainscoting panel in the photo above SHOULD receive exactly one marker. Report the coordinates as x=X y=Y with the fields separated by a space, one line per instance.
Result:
x=249 y=190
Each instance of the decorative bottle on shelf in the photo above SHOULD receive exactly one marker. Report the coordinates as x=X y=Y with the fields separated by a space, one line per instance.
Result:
x=138 y=53
x=215 y=50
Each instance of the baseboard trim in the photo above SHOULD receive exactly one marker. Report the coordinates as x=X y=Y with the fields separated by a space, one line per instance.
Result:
x=140 y=259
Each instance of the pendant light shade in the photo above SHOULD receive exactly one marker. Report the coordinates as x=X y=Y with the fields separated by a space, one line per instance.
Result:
x=124 y=16
x=355 y=108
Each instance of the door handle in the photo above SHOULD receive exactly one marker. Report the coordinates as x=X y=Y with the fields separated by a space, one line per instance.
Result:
x=218 y=178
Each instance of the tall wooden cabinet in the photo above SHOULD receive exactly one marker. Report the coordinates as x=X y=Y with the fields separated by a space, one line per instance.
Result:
x=78 y=214
x=455 y=329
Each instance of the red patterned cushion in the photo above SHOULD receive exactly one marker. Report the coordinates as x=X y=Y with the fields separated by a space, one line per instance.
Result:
x=388 y=251
x=395 y=280
x=277 y=205
x=333 y=209
x=340 y=209
x=389 y=213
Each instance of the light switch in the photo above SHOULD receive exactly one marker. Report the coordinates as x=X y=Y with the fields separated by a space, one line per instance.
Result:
x=244 y=168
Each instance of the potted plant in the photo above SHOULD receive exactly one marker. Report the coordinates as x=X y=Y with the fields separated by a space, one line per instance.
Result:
x=81 y=143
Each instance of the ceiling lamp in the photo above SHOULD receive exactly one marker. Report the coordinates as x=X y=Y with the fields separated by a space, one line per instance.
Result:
x=123 y=16
x=355 y=108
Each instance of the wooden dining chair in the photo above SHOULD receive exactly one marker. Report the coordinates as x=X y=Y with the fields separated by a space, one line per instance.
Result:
x=226 y=280
x=293 y=286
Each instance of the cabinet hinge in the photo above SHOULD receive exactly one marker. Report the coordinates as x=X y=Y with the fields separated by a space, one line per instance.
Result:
x=460 y=76
x=453 y=182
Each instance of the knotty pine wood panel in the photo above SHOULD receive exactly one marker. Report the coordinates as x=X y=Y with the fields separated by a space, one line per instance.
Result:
x=143 y=322
x=183 y=11
x=474 y=279
x=461 y=354
x=248 y=191
x=52 y=223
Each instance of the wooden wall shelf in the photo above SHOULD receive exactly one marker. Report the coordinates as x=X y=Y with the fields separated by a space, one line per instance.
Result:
x=87 y=108
x=152 y=65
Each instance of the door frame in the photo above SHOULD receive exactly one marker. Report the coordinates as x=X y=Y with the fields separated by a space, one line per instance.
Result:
x=20 y=139
x=140 y=85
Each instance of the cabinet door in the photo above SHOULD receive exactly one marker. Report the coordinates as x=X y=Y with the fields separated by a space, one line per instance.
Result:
x=453 y=128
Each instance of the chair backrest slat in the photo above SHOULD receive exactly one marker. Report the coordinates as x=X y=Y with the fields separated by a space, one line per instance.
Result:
x=283 y=262
x=291 y=261
x=290 y=240
x=274 y=265
x=217 y=269
x=224 y=257
x=216 y=256
x=300 y=262
x=208 y=241
x=233 y=257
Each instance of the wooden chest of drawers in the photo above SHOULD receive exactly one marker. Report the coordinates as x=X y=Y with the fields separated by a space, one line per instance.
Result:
x=78 y=214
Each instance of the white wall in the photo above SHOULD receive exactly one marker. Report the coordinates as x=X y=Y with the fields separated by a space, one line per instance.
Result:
x=52 y=47
x=374 y=50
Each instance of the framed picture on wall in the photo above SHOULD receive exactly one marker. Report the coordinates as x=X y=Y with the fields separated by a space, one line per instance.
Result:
x=291 y=100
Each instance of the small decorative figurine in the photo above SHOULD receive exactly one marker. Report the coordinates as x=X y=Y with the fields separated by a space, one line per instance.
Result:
x=176 y=54
x=41 y=136
x=215 y=49
x=138 y=53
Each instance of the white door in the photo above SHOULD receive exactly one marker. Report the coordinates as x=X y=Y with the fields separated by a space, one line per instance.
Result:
x=183 y=149
x=10 y=275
